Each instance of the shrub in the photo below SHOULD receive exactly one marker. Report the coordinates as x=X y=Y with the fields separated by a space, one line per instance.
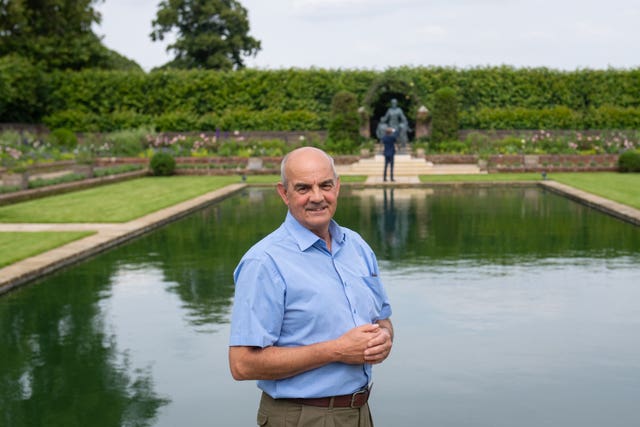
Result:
x=344 y=124
x=127 y=143
x=444 y=122
x=629 y=161
x=342 y=146
x=64 y=139
x=163 y=164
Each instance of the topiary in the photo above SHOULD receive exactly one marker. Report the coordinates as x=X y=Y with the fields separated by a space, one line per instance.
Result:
x=629 y=161
x=345 y=122
x=163 y=164
x=445 y=122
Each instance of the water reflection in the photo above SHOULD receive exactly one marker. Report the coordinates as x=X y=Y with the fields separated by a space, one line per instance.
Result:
x=62 y=366
x=510 y=304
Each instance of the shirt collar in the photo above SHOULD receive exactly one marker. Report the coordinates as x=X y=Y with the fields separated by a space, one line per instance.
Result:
x=305 y=238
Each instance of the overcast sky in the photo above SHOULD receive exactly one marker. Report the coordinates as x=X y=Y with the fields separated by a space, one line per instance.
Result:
x=376 y=34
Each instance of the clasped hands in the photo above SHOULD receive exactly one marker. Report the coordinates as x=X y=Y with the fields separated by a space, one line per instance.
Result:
x=368 y=343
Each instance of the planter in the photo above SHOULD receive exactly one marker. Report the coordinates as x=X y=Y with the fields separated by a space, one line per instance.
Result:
x=19 y=180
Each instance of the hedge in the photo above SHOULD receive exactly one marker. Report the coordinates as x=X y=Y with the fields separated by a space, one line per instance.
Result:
x=488 y=97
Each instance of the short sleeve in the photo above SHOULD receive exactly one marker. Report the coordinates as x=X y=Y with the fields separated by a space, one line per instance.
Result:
x=258 y=305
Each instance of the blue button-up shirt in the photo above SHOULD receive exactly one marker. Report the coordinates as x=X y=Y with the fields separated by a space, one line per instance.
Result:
x=292 y=291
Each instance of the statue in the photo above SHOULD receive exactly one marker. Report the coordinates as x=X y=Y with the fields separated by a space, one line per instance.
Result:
x=394 y=118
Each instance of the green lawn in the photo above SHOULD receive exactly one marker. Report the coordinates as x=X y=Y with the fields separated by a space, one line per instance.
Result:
x=120 y=202
x=620 y=187
x=15 y=246
x=274 y=179
x=495 y=177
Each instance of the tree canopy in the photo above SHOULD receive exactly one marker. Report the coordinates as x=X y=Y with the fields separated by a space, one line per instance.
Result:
x=56 y=34
x=211 y=34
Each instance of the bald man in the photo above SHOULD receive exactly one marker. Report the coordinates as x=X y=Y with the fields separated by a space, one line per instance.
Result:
x=310 y=314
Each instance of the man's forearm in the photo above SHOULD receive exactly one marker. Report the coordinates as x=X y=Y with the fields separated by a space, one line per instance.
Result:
x=273 y=363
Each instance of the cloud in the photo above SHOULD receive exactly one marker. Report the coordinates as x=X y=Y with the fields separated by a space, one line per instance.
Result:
x=347 y=9
x=432 y=32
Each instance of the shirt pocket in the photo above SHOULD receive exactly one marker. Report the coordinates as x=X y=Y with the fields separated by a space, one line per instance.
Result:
x=371 y=286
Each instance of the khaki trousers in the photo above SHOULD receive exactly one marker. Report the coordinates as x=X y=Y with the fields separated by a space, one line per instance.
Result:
x=281 y=413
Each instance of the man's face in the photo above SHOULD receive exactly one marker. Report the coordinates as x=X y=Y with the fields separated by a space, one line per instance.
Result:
x=312 y=190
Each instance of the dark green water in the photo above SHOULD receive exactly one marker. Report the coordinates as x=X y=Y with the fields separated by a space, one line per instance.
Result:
x=512 y=307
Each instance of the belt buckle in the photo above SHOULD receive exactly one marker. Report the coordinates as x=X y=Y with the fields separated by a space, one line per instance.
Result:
x=354 y=396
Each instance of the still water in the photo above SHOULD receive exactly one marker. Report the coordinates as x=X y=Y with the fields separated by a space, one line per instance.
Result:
x=512 y=307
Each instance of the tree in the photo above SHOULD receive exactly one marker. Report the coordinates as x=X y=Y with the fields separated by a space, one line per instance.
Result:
x=211 y=34
x=56 y=34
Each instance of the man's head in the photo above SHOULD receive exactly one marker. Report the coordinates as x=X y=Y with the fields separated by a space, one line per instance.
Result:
x=309 y=187
x=389 y=131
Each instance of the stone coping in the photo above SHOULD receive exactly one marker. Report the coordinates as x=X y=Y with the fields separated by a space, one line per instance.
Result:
x=110 y=235
x=618 y=210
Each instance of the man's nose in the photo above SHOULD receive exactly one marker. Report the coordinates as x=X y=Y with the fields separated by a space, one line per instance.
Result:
x=316 y=194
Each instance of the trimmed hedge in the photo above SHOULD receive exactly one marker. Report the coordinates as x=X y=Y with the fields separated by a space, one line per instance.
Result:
x=445 y=115
x=162 y=164
x=629 y=161
x=488 y=97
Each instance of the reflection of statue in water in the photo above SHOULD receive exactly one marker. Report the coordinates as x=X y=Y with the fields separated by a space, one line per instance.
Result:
x=394 y=118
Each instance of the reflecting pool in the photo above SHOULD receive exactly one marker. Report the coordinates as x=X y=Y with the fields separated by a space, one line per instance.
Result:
x=513 y=307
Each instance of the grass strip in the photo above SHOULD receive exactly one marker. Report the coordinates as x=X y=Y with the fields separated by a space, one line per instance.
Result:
x=119 y=202
x=494 y=177
x=16 y=246
x=619 y=187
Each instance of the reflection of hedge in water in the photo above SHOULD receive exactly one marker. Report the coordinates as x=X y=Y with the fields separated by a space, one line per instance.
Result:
x=199 y=253
x=493 y=225
x=60 y=361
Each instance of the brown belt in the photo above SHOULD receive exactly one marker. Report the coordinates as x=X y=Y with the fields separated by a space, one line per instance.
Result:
x=355 y=400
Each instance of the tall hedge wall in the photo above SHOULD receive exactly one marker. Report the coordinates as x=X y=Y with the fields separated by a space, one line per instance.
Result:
x=489 y=97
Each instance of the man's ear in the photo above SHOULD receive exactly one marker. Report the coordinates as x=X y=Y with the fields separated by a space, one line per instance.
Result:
x=282 y=191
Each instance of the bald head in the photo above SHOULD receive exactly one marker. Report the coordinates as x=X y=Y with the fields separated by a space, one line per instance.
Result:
x=303 y=155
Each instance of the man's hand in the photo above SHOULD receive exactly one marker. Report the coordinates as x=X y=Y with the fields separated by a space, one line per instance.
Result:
x=369 y=343
x=352 y=346
x=379 y=346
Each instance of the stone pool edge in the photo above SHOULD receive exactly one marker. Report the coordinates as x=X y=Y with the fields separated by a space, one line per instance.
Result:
x=106 y=237
x=615 y=209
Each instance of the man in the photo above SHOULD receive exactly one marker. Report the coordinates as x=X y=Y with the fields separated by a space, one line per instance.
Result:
x=395 y=118
x=389 y=142
x=310 y=314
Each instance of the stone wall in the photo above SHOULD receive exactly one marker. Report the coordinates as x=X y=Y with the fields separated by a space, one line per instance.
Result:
x=556 y=163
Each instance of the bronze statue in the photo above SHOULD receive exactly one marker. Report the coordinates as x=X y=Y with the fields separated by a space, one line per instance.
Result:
x=394 y=118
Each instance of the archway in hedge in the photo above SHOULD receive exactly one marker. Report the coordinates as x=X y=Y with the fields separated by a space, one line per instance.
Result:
x=379 y=96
